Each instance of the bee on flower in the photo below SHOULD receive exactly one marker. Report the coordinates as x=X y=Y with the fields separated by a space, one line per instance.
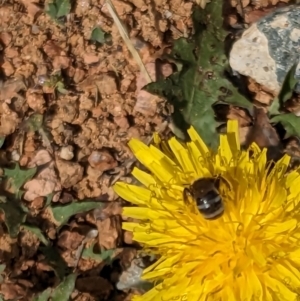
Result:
x=233 y=237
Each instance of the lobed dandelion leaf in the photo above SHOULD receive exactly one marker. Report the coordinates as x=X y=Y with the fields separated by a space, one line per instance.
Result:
x=54 y=259
x=290 y=122
x=105 y=255
x=17 y=177
x=44 y=296
x=286 y=91
x=37 y=232
x=63 y=291
x=201 y=80
x=64 y=212
x=14 y=215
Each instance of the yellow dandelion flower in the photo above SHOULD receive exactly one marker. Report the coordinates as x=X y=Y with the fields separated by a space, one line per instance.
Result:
x=251 y=252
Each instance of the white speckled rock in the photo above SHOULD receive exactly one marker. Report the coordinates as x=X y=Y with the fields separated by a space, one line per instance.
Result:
x=269 y=48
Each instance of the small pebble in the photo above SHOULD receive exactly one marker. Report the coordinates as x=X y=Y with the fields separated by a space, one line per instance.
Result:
x=42 y=79
x=35 y=29
x=67 y=152
x=92 y=233
x=15 y=156
x=102 y=160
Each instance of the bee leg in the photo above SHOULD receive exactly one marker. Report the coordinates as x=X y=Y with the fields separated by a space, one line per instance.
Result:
x=217 y=181
x=227 y=183
x=224 y=180
x=188 y=200
x=186 y=195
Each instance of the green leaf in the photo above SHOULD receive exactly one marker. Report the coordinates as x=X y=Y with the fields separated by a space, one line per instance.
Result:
x=17 y=177
x=275 y=106
x=61 y=293
x=51 y=10
x=286 y=91
x=290 y=122
x=65 y=289
x=34 y=122
x=14 y=215
x=63 y=8
x=54 y=259
x=49 y=199
x=63 y=213
x=2 y=139
x=44 y=296
x=61 y=88
x=201 y=80
x=98 y=35
x=58 y=8
x=37 y=231
x=106 y=255
x=2 y=268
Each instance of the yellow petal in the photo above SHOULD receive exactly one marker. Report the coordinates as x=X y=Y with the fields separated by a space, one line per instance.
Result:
x=280 y=290
x=276 y=228
x=132 y=193
x=249 y=253
x=182 y=156
x=144 y=177
x=233 y=135
x=225 y=149
x=198 y=141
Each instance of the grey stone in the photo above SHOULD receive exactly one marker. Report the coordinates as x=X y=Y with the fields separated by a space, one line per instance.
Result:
x=269 y=48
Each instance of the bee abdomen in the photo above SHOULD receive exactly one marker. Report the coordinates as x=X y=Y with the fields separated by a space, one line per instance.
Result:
x=211 y=205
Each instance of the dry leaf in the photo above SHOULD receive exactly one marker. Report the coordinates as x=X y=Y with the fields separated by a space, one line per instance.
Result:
x=264 y=135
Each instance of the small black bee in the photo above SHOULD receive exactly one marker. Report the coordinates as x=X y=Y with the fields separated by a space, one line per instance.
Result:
x=205 y=193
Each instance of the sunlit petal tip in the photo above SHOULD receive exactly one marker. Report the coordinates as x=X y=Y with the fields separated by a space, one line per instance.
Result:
x=122 y=190
x=232 y=136
x=197 y=139
x=137 y=145
x=117 y=187
x=233 y=126
x=250 y=252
